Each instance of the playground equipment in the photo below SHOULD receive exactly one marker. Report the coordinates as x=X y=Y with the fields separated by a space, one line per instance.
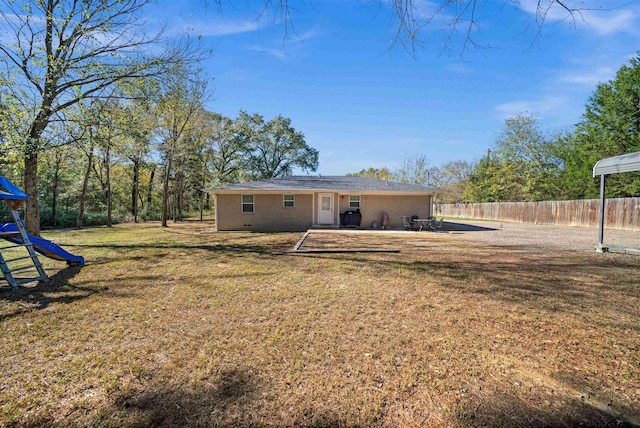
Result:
x=16 y=234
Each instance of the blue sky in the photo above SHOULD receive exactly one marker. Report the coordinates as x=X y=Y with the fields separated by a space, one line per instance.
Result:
x=361 y=105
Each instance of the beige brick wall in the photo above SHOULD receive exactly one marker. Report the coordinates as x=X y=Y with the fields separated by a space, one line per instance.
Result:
x=372 y=207
x=269 y=215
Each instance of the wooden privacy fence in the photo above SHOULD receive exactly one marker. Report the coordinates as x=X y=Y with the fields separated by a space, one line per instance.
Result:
x=621 y=213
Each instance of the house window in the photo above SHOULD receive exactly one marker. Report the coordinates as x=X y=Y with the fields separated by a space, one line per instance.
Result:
x=354 y=201
x=288 y=201
x=248 y=205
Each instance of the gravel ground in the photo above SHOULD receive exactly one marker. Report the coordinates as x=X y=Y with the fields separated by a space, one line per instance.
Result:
x=532 y=237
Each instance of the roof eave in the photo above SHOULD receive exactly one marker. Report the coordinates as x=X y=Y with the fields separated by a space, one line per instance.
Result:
x=325 y=190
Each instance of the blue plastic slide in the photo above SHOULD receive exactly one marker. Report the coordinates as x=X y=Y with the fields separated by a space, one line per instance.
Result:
x=43 y=246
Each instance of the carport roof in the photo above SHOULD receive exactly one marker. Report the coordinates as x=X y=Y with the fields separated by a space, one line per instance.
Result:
x=616 y=164
x=331 y=183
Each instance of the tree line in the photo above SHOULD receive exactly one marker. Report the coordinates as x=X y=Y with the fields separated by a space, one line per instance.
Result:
x=146 y=153
x=102 y=121
x=526 y=164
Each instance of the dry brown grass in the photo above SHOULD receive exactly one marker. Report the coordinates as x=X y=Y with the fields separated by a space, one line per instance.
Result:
x=186 y=327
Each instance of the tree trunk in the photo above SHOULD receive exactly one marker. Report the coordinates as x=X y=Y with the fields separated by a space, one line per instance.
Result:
x=173 y=206
x=165 y=189
x=31 y=207
x=179 y=204
x=134 y=190
x=202 y=197
x=54 y=196
x=85 y=185
x=150 y=192
x=177 y=191
x=107 y=168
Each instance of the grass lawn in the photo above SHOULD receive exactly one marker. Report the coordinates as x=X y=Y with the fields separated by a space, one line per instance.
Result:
x=186 y=327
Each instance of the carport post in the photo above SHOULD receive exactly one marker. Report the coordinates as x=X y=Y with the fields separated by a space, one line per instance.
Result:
x=601 y=246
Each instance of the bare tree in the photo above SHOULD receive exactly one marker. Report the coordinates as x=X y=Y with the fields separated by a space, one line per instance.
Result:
x=460 y=20
x=452 y=179
x=63 y=51
x=412 y=17
x=415 y=170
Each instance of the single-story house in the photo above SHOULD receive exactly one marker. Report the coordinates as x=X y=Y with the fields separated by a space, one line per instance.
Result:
x=298 y=203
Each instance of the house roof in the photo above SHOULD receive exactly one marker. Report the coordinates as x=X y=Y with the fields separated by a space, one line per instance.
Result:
x=328 y=183
x=623 y=163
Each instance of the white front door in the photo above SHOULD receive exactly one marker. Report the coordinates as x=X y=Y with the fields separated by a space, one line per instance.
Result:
x=325 y=208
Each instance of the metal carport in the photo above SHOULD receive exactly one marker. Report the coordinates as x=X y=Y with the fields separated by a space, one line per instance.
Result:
x=613 y=165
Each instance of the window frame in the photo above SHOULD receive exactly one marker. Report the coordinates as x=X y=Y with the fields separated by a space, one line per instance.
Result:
x=292 y=200
x=252 y=204
x=353 y=202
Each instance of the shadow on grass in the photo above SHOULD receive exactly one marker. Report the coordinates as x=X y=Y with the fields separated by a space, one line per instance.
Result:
x=42 y=295
x=231 y=249
x=508 y=410
x=569 y=283
x=220 y=401
x=233 y=398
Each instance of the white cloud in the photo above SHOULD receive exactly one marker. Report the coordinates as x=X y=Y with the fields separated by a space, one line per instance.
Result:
x=308 y=35
x=622 y=21
x=589 y=78
x=216 y=28
x=601 y=20
x=542 y=106
x=274 y=52
x=293 y=44
x=441 y=15
x=15 y=19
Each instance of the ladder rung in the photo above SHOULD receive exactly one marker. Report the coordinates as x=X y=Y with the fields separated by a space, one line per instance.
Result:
x=18 y=238
x=26 y=280
x=23 y=268
x=20 y=258
x=14 y=246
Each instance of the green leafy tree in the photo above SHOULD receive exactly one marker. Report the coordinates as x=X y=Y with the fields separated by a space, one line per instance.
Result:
x=610 y=126
x=107 y=136
x=383 y=173
x=82 y=127
x=525 y=165
x=56 y=53
x=225 y=150
x=494 y=180
x=183 y=96
x=138 y=102
x=534 y=155
x=273 y=148
x=57 y=173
